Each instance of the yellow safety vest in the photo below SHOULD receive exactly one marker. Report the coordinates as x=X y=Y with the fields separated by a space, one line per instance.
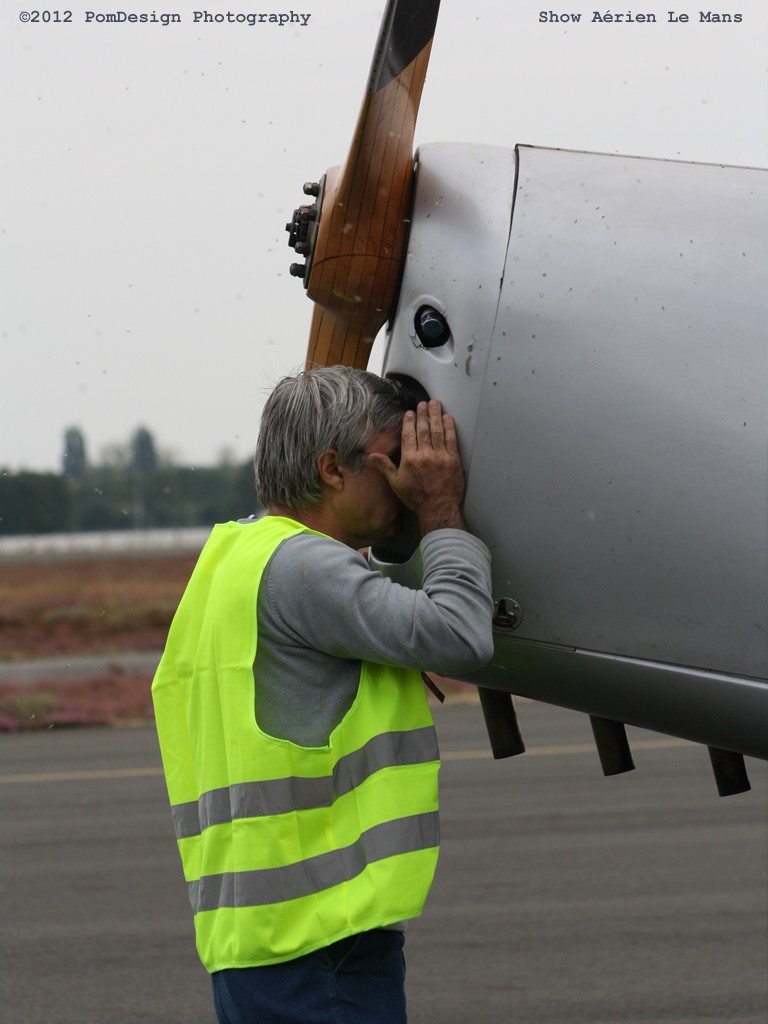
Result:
x=286 y=848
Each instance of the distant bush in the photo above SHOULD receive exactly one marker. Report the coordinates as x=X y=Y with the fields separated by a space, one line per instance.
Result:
x=34 y=503
x=124 y=498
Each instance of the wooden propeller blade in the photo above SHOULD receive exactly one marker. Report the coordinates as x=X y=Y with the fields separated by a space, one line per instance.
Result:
x=336 y=341
x=365 y=211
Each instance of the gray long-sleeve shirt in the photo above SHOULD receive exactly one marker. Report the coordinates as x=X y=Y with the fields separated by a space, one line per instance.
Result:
x=321 y=610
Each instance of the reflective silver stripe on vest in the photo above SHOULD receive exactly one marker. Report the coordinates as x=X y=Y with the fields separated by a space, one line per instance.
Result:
x=277 y=885
x=281 y=796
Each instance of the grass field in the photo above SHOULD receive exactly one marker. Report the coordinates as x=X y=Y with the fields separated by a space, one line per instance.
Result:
x=88 y=605
x=102 y=605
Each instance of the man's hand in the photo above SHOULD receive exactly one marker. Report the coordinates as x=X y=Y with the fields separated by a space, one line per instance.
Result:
x=429 y=479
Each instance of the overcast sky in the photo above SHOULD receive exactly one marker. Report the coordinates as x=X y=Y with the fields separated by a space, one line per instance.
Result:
x=148 y=172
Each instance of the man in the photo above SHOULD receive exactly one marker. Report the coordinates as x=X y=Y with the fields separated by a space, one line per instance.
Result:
x=297 y=742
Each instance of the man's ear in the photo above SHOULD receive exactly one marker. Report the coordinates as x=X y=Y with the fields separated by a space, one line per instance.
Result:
x=330 y=469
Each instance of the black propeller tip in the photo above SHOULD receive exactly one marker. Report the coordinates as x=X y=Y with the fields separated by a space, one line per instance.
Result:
x=406 y=28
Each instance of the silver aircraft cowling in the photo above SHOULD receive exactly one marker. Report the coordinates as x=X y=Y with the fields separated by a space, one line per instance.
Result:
x=606 y=365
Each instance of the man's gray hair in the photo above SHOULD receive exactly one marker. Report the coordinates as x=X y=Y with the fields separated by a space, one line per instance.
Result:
x=328 y=407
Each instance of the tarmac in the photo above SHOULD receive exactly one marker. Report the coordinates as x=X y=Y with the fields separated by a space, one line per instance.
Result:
x=561 y=896
x=75 y=667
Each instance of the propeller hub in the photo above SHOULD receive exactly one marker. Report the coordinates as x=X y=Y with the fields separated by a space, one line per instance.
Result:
x=302 y=229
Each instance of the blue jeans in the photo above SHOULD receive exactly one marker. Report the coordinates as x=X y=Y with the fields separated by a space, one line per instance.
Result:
x=359 y=980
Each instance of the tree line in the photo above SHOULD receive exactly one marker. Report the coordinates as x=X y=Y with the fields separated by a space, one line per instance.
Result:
x=132 y=488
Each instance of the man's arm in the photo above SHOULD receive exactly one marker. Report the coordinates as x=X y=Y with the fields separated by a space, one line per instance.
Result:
x=320 y=595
